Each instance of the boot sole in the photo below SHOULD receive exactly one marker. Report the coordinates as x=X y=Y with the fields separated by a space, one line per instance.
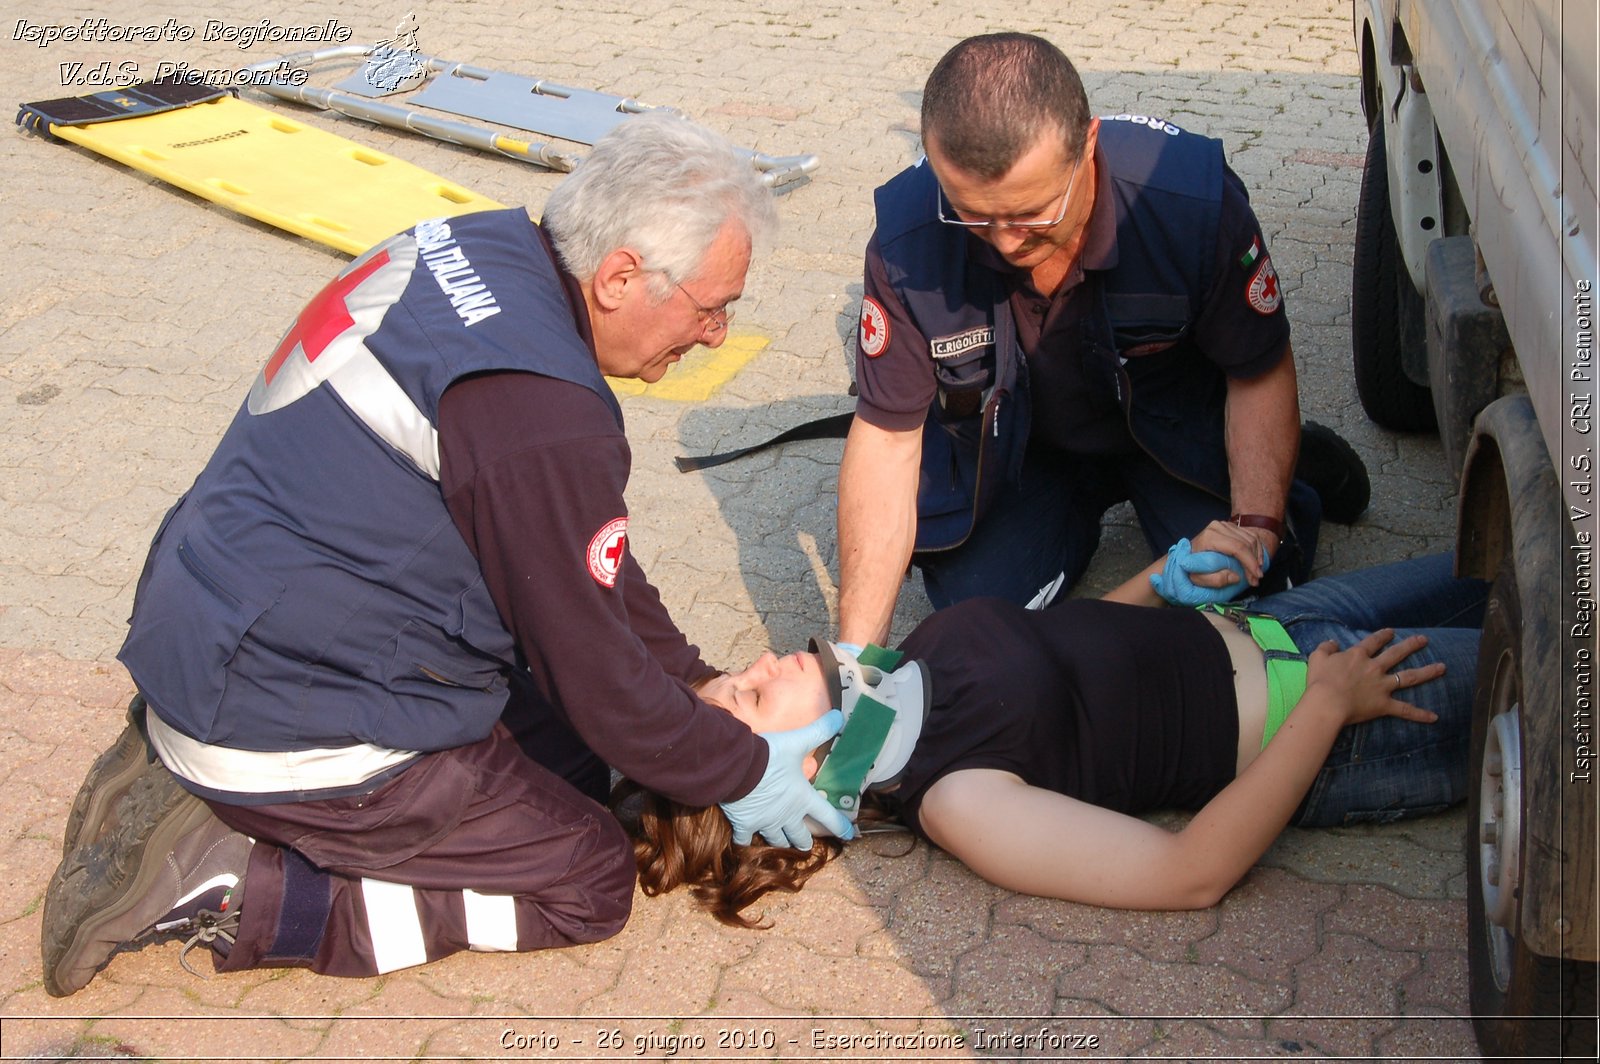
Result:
x=1333 y=468
x=108 y=779
x=100 y=883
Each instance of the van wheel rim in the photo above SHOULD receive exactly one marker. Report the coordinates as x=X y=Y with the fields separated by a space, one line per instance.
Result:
x=1500 y=838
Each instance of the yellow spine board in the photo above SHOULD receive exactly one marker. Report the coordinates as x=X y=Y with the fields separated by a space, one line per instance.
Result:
x=279 y=171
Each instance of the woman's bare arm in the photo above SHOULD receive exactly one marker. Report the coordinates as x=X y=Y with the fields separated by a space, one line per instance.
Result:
x=1035 y=841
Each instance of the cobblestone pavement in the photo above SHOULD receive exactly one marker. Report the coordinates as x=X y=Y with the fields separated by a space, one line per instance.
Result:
x=133 y=316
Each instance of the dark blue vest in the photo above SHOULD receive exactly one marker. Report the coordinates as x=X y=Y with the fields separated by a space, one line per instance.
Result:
x=1167 y=193
x=311 y=590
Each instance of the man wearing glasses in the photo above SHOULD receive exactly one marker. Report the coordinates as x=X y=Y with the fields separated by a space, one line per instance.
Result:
x=414 y=528
x=1060 y=312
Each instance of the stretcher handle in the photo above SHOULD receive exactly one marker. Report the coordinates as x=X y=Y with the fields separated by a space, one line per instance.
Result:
x=445 y=129
x=780 y=170
x=324 y=56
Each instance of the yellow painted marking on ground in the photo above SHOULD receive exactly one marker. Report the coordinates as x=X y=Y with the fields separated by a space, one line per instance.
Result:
x=700 y=374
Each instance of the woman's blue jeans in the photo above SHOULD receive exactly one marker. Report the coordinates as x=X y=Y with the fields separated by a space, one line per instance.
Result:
x=1389 y=768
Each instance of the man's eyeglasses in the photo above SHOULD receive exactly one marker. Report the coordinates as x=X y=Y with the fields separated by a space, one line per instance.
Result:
x=991 y=223
x=712 y=319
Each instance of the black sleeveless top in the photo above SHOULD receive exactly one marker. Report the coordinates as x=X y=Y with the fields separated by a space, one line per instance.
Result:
x=1126 y=707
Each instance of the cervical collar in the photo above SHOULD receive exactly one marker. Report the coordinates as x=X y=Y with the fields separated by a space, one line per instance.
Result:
x=884 y=699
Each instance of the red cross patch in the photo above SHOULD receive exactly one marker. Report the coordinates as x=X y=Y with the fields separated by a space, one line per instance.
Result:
x=332 y=328
x=1264 y=295
x=606 y=550
x=324 y=318
x=874 y=328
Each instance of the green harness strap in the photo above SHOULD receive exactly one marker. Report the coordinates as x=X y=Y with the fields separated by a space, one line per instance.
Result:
x=1286 y=666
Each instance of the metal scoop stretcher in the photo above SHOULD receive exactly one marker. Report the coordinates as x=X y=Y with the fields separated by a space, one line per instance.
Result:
x=534 y=105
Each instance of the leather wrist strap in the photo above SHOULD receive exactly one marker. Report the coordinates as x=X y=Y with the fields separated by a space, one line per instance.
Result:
x=1271 y=524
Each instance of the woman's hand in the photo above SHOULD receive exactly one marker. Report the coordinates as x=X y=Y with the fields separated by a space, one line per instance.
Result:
x=1366 y=677
x=1176 y=584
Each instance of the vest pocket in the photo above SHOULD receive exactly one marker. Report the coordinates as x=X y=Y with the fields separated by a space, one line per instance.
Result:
x=475 y=620
x=1141 y=342
x=1147 y=319
x=436 y=692
x=188 y=623
x=962 y=383
x=422 y=657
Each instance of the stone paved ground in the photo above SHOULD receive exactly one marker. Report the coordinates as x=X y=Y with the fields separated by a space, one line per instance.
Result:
x=133 y=316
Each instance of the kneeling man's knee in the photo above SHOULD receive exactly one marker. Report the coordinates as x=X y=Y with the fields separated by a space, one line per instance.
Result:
x=603 y=876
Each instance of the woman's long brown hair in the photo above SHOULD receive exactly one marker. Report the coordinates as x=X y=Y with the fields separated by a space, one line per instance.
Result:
x=677 y=845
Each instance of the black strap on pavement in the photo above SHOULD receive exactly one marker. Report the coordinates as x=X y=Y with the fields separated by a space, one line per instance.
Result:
x=832 y=427
x=1326 y=461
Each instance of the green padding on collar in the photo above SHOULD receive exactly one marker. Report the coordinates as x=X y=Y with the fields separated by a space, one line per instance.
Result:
x=880 y=657
x=843 y=774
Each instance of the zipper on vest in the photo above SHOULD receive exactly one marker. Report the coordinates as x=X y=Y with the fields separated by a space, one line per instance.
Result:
x=988 y=427
x=438 y=677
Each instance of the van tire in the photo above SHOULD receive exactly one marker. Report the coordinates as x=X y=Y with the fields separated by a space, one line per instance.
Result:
x=1386 y=311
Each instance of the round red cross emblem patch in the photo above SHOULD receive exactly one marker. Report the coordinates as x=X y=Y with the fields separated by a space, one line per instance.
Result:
x=1264 y=295
x=606 y=550
x=874 y=328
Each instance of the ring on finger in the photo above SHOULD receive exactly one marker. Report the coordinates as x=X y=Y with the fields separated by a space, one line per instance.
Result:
x=1397 y=681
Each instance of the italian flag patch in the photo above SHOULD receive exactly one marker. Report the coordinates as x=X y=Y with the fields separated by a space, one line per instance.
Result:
x=1248 y=259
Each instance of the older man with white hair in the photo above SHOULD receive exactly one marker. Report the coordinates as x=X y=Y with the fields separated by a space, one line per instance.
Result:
x=412 y=536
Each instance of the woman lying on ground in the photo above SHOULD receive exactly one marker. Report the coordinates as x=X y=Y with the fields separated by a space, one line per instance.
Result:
x=1048 y=732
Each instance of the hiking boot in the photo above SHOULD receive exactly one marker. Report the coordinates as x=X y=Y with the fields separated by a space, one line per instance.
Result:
x=168 y=869
x=108 y=780
x=1331 y=466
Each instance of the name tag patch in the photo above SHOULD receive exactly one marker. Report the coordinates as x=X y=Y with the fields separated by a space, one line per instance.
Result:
x=962 y=342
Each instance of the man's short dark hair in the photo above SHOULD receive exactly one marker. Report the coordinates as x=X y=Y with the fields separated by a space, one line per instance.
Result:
x=990 y=97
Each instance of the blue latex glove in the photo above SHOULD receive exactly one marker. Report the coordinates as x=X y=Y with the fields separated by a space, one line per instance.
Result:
x=1174 y=585
x=780 y=803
